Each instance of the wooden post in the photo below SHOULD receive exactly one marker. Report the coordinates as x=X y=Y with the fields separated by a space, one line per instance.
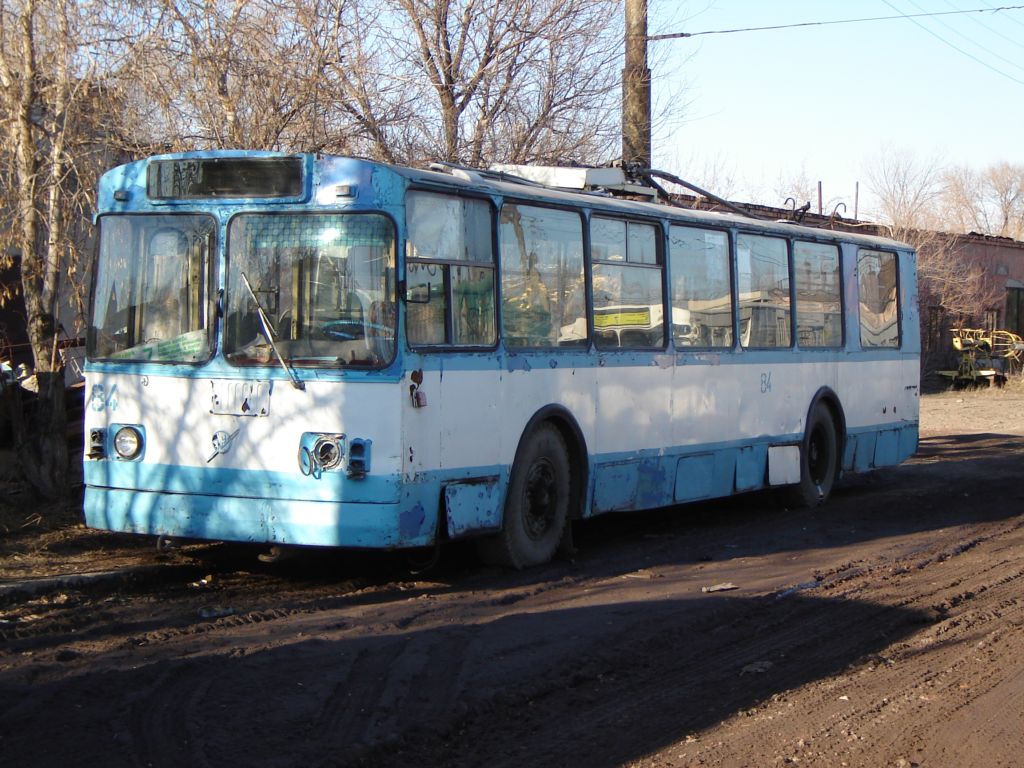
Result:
x=636 y=88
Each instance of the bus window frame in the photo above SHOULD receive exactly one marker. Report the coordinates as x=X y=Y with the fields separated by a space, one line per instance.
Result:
x=731 y=235
x=838 y=245
x=216 y=240
x=788 y=240
x=660 y=259
x=895 y=253
x=582 y=214
x=225 y=299
x=401 y=286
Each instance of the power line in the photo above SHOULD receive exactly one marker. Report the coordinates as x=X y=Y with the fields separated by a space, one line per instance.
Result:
x=993 y=30
x=677 y=35
x=1008 y=18
x=965 y=36
x=955 y=47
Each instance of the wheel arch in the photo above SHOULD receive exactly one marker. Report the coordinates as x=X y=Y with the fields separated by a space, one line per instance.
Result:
x=579 y=465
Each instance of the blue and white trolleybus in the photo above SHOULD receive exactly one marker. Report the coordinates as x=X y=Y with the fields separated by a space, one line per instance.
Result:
x=306 y=350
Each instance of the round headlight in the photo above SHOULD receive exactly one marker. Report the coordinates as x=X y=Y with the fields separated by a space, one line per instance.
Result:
x=128 y=442
x=327 y=452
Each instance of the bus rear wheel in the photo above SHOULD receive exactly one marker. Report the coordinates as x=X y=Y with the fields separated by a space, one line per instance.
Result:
x=819 y=460
x=537 y=504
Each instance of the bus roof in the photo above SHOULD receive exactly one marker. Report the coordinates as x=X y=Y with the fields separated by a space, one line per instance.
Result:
x=501 y=183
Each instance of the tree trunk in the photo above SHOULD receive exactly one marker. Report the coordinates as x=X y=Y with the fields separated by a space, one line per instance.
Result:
x=40 y=431
x=40 y=436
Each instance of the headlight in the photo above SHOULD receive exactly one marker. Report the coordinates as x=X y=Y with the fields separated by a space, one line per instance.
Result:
x=327 y=451
x=128 y=442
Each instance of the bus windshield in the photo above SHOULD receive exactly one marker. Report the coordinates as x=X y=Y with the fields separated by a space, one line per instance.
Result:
x=324 y=283
x=151 y=297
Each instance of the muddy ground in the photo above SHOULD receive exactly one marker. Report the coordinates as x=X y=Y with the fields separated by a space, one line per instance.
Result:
x=882 y=630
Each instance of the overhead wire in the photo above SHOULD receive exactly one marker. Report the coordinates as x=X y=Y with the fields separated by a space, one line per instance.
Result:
x=968 y=38
x=987 y=28
x=1008 y=17
x=913 y=19
x=678 y=35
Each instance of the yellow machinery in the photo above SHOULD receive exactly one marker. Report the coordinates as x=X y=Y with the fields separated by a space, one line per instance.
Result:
x=986 y=356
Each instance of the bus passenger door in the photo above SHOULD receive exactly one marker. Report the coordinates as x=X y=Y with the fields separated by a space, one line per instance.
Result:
x=451 y=442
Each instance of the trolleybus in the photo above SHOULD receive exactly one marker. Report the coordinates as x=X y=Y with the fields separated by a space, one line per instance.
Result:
x=311 y=350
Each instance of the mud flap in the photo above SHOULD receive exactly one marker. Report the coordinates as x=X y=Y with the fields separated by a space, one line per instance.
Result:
x=473 y=506
x=783 y=464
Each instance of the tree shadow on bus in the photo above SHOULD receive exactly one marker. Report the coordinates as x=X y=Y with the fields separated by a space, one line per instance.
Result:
x=597 y=685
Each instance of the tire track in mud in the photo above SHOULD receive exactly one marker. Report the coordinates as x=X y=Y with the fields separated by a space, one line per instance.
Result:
x=737 y=659
x=386 y=691
x=916 y=700
x=181 y=609
x=639 y=683
x=625 y=675
x=161 y=725
x=594 y=662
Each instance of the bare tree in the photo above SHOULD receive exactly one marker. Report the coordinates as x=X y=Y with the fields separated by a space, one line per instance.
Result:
x=907 y=189
x=518 y=81
x=84 y=85
x=916 y=200
x=53 y=133
x=468 y=81
x=990 y=201
x=223 y=74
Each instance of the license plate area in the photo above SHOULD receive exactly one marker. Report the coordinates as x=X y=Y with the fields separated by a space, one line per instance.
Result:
x=241 y=398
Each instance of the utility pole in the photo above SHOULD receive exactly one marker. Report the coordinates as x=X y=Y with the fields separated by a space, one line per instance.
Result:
x=636 y=88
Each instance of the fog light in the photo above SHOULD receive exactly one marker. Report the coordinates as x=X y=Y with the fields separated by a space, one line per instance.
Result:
x=359 y=457
x=128 y=442
x=97 y=444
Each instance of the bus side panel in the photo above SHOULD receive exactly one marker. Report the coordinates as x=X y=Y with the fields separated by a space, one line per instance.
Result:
x=633 y=397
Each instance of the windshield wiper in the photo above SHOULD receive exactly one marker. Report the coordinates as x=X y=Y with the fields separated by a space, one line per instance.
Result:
x=269 y=330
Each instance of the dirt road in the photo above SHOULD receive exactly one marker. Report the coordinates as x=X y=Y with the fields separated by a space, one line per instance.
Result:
x=883 y=630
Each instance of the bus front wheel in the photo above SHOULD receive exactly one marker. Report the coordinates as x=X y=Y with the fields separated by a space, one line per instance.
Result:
x=819 y=460
x=537 y=504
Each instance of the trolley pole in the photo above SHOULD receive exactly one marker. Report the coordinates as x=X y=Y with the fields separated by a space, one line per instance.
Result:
x=636 y=88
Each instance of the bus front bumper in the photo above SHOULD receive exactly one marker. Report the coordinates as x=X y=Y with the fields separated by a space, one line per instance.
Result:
x=273 y=521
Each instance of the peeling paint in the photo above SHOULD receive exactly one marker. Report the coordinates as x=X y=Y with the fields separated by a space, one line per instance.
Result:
x=664 y=361
x=473 y=506
x=410 y=521
x=653 y=483
x=516 y=363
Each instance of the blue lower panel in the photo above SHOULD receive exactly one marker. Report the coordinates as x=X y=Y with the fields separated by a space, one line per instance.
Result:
x=695 y=477
x=229 y=518
x=615 y=486
x=332 y=486
x=473 y=507
x=871 y=448
x=751 y=467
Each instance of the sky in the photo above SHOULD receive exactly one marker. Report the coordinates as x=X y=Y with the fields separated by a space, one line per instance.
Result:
x=824 y=103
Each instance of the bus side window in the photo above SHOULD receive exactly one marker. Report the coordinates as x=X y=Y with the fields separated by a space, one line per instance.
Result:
x=449 y=271
x=626 y=284
x=763 y=276
x=878 y=287
x=701 y=288
x=543 y=291
x=819 y=312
